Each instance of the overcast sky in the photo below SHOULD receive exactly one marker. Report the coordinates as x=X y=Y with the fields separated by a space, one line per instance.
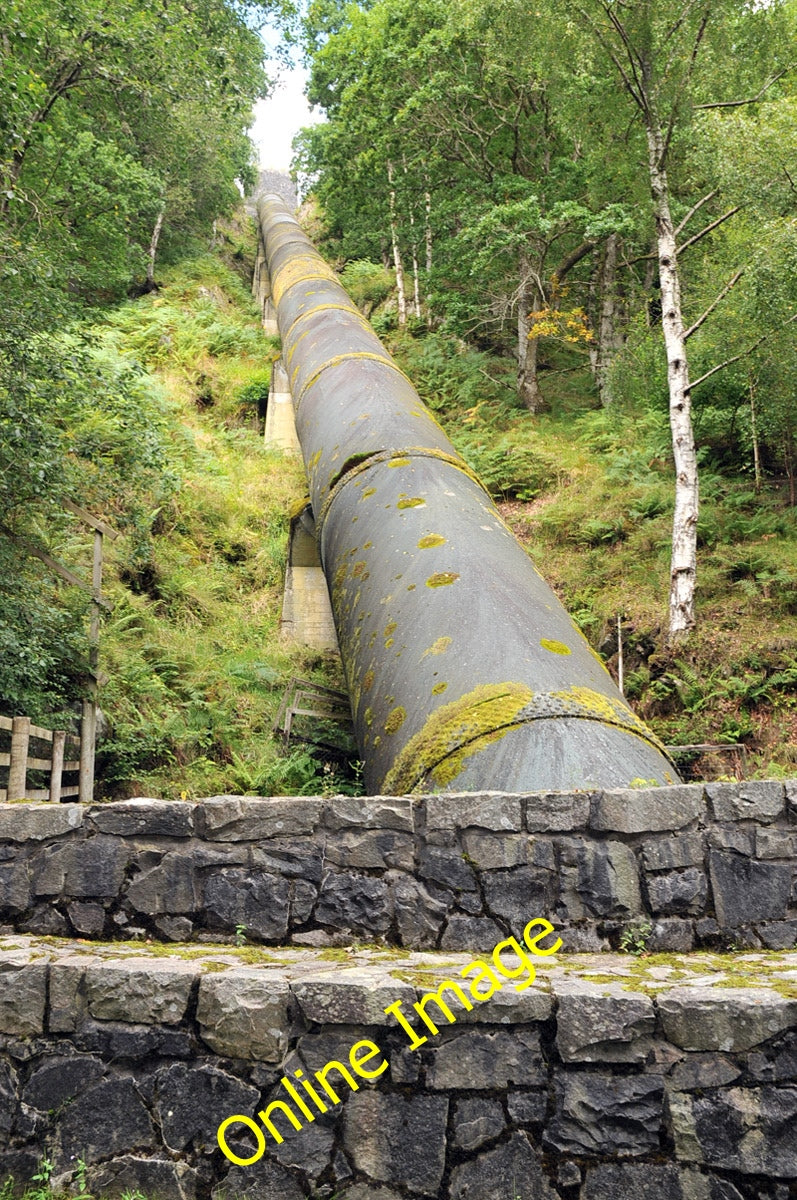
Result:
x=277 y=120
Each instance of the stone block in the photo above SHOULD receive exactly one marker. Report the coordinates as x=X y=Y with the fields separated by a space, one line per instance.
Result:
x=107 y=1120
x=633 y=1181
x=479 y=1059
x=420 y=911
x=269 y=1181
x=140 y=991
x=511 y=1007
x=60 y=1079
x=174 y=929
x=595 y=1027
x=114 y=1040
x=669 y=853
x=674 y=892
x=192 y=1101
x=701 y=1071
x=487 y=810
x=519 y=894
x=45 y=920
x=15 y=889
x=357 y=903
x=142 y=817
x=67 y=996
x=750 y=1130
x=244 y=1014
x=475 y=1121
x=19 y=1166
x=127 y=1176
x=671 y=935
x=86 y=918
x=82 y=870
x=447 y=866
x=36 y=822
x=368 y=1191
x=397 y=1140
x=488 y=851
x=257 y=901
x=527 y=1108
x=726 y=1019
x=601 y=1114
x=169 y=887
x=370 y=850
x=513 y=1165
x=23 y=992
x=8 y=1098
x=370 y=812
x=252 y=818
x=778 y=935
x=724 y=835
x=557 y=812
x=349 y=995
x=603 y=879
x=776 y=843
x=478 y=934
x=757 y=800
x=310 y=1148
x=790 y=787
x=647 y=810
x=746 y=890
x=293 y=858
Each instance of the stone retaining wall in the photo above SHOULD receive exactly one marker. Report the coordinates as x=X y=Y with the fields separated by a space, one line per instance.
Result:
x=608 y=1077
x=707 y=865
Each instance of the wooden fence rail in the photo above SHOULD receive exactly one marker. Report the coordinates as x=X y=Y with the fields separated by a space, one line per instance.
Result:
x=19 y=762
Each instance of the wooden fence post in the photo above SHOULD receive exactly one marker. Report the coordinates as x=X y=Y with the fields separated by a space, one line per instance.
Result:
x=87 y=736
x=56 y=771
x=18 y=767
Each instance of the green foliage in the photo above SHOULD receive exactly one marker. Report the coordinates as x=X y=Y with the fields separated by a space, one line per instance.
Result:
x=367 y=283
x=634 y=938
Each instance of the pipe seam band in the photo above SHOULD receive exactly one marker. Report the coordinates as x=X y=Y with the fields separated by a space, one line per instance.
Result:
x=347 y=357
x=414 y=762
x=382 y=456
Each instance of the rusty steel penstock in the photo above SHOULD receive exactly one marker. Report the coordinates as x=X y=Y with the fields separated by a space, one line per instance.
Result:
x=464 y=670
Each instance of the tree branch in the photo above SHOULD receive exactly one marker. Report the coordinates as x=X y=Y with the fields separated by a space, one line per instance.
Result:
x=743 y=354
x=693 y=328
x=684 y=85
x=575 y=256
x=753 y=99
x=696 y=237
x=693 y=210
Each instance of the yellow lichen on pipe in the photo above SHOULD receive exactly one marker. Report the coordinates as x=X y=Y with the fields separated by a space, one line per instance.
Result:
x=454 y=731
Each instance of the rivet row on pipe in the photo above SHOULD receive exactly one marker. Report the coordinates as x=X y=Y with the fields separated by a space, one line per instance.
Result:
x=464 y=670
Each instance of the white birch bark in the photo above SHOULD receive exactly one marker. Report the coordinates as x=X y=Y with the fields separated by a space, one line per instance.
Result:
x=397 y=262
x=683 y=563
x=153 y=248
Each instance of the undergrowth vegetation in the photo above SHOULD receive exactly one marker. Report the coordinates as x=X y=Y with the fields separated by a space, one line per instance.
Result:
x=193 y=666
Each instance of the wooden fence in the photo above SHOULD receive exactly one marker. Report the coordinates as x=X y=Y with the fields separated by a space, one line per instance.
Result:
x=19 y=762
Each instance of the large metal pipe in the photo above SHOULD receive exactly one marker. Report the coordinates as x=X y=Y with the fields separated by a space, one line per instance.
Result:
x=464 y=670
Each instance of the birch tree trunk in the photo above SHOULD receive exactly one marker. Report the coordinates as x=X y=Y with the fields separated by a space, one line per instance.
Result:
x=428 y=231
x=397 y=263
x=683 y=563
x=608 y=339
x=528 y=388
x=153 y=249
x=754 y=435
